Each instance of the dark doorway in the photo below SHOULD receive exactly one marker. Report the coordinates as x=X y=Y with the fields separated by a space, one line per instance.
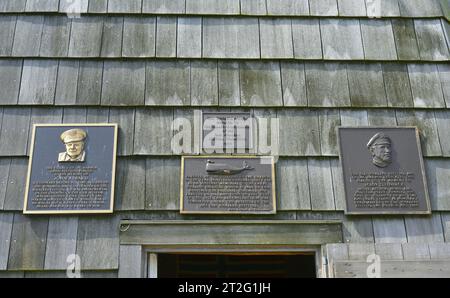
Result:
x=236 y=266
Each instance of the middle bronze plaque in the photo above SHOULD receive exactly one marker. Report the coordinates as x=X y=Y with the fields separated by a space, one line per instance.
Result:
x=227 y=185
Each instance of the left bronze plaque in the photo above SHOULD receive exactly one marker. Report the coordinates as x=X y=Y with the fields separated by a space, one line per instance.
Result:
x=71 y=169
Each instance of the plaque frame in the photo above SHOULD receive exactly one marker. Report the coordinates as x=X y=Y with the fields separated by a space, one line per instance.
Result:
x=272 y=172
x=422 y=171
x=110 y=210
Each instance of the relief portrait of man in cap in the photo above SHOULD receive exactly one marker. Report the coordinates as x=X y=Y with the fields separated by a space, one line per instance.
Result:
x=380 y=148
x=74 y=140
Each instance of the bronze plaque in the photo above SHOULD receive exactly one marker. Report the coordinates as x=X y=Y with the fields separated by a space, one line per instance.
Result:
x=383 y=170
x=227 y=184
x=71 y=169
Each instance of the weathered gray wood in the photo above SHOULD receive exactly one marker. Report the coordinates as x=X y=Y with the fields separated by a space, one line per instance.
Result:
x=360 y=251
x=366 y=85
x=439 y=250
x=378 y=40
x=38 y=82
x=98 y=6
x=112 y=37
x=12 y=5
x=85 y=37
x=299 y=133
x=431 y=40
x=382 y=8
x=276 y=38
x=293 y=185
x=74 y=115
x=55 y=36
x=405 y=39
x=341 y=39
x=389 y=230
x=123 y=83
x=222 y=7
x=28 y=241
x=10 y=76
x=131 y=261
x=354 y=118
x=194 y=119
x=418 y=8
x=99 y=274
x=294 y=84
x=396 y=82
x=327 y=85
x=162 y=187
x=394 y=269
x=14 y=131
x=97 y=115
x=164 y=6
x=130 y=184
x=6 y=224
x=426 y=86
x=358 y=230
x=266 y=119
x=389 y=251
x=446 y=225
x=67 y=82
x=42 y=5
x=336 y=251
x=228 y=80
x=444 y=75
x=139 y=37
x=338 y=184
x=189 y=37
x=323 y=8
x=125 y=120
x=352 y=8
x=203 y=232
x=438 y=174
x=260 y=84
x=443 y=126
x=120 y=6
x=321 y=184
x=89 y=82
x=204 y=83
x=75 y=8
x=306 y=39
x=446 y=26
x=424 y=229
x=46 y=274
x=7 y=28
x=288 y=7
x=166 y=37
x=98 y=234
x=15 y=191
x=152 y=134
x=381 y=118
x=253 y=7
x=4 y=173
x=42 y=115
x=426 y=123
x=61 y=242
x=168 y=83
x=27 y=37
x=416 y=251
x=329 y=120
x=230 y=38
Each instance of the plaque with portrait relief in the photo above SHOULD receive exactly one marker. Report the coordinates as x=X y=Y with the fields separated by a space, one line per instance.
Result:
x=71 y=169
x=383 y=170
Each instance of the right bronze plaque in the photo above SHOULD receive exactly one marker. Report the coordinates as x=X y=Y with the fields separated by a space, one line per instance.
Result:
x=383 y=170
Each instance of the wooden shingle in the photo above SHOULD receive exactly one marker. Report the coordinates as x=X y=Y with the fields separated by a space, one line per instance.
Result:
x=189 y=37
x=15 y=191
x=391 y=230
x=341 y=39
x=366 y=85
x=398 y=88
x=352 y=8
x=306 y=39
x=162 y=184
x=354 y=117
x=120 y=6
x=130 y=184
x=378 y=40
x=14 y=131
x=329 y=120
x=6 y=224
x=439 y=250
x=405 y=39
x=139 y=37
x=327 y=84
x=253 y=7
x=431 y=40
x=294 y=84
x=153 y=132
x=55 y=36
x=222 y=7
x=424 y=229
x=5 y=163
x=389 y=251
x=164 y=6
x=28 y=241
x=74 y=115
x=293 y=185
x=27 y=37
x=276 y=38
x=75 y=8
x=112 y=37
x=228 y=79
x=89 y=82
x=323 y=8
x=38 y=82
x=426 y=86
x=123 y=83
x=231 y=38
x=97 y=115
x=41 y=115
x=42 y=5
x=438 y=173
x=168 y=83
x=98 y=6
x=378 y=117
x=358 y=231
x=67 y=82
x=338 y=184
x=288 y=7
x=415 y=251
x=204 y=83
x=7 y=28
x=85 y=37
x=166 y=36
x=443 y=126
x=419 y=8
x=387 y=8
x=12 y=5
x=10 y=76
x=444 y=75
x=321 y=184
x=125 y=119
x=260 y=84
x=61 y=242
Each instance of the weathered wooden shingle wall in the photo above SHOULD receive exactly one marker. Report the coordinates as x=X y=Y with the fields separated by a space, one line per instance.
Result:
x=313 y=64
